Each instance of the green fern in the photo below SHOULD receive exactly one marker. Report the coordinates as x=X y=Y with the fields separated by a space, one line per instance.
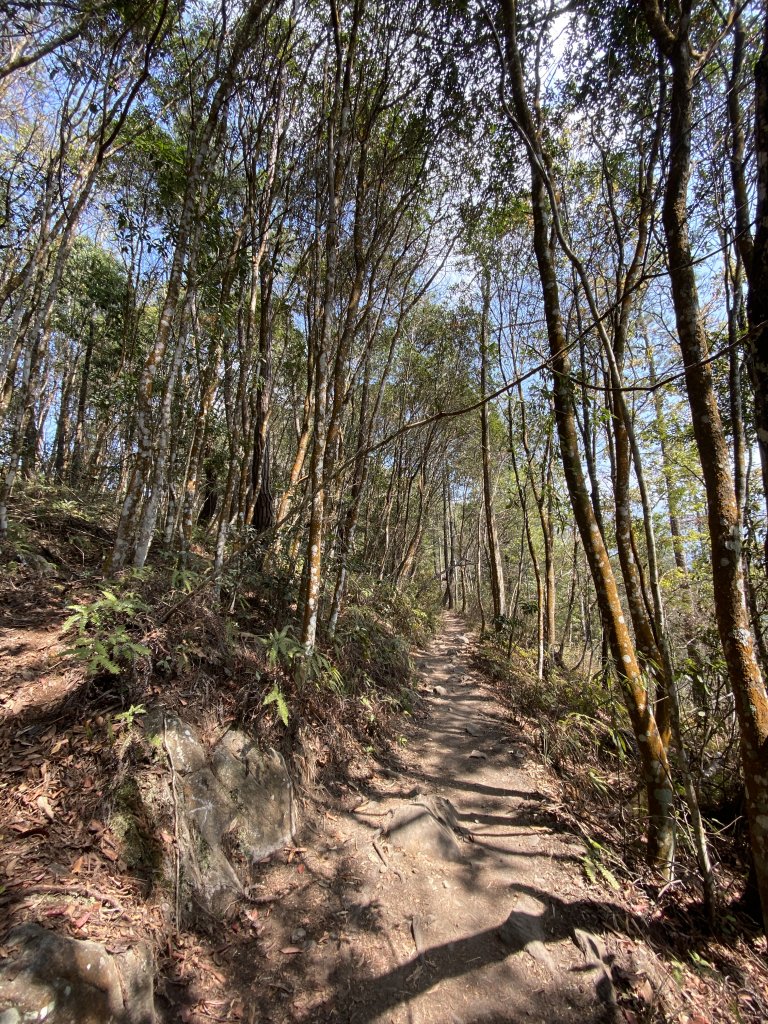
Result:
x=102 y=642
x=281 y=647
x=276 y=697
x=592 y=863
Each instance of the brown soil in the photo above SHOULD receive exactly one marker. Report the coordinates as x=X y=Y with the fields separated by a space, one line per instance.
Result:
x=357 y=929
x=423 y=941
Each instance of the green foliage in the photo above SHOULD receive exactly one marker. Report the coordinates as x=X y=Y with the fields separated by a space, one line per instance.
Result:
x=184 y=580
x=594 y=867
x=372 y=654
x=578 y=704
x=275 y=696
x=319 y=669
x=281 y=648
x=102 y=641
x=284 y=652
x=129 y=716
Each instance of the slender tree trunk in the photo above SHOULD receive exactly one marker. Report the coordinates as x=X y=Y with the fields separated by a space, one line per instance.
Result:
x=678 y=546
x=540 y=597
x=78 y=454
x=749 y=692
x=496 y=569
x=198 y=171
x=479 y=571
x=653 y=756
x=62 y=425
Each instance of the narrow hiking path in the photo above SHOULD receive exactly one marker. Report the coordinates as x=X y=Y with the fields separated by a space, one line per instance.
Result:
x=434 y=884
x=457 y=898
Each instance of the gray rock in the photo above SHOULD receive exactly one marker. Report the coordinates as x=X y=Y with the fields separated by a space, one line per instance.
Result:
x=71 y=981
x=473 y=729
x=232 y=808
x=236 y=812
x=38 y=563
x=206 y=869
x=260 y=788
x=440 y=691
x=181 y=740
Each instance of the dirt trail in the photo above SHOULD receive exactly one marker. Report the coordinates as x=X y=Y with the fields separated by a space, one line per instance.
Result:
x=465 y=920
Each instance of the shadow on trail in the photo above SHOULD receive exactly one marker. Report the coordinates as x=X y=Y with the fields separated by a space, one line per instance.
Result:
x=471 y=787
x=464 y=956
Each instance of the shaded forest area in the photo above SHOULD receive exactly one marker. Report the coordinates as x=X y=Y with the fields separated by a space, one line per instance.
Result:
x=316 y=317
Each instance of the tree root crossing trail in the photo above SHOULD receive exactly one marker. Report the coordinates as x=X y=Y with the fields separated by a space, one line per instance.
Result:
x=463 y=903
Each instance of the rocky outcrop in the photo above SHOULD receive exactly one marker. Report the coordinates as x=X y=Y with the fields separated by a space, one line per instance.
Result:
x=230 y=808
x=50 y=977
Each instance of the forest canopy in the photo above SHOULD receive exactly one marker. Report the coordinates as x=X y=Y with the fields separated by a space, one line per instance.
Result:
x=466 y=300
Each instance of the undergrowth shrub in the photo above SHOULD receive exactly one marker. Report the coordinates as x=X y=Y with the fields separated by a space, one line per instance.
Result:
x=582 y=730
x=230 y=652
x=412 y=611
x=370 y=653
x=581 y=725
x=101 y=637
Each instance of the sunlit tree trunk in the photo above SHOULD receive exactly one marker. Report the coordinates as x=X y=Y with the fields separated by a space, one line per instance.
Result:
x=496 y=569
x=653 y=756
x=197 y=172
x=733 y=623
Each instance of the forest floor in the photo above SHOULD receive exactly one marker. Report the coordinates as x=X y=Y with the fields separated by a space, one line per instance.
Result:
x=438 y=883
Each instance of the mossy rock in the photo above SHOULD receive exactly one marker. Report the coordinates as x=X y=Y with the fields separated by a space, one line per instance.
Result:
x=132 y=824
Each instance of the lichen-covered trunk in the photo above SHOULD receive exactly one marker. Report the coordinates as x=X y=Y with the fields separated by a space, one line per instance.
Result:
x=160 y=478
x=757 y=298
x=678 y=547
x=540 y=595
x=262 y=513
x=78 y=454
x=348 y=523
x=494 y=551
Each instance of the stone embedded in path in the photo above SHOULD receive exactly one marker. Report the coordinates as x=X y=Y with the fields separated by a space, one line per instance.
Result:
x=440 y=691
x=426 y=826
x=74 y=981
x=524 y=930
x=473 y=729
x=596 y=962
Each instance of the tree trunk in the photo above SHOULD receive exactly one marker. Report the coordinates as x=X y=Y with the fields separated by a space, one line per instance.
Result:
x=496 y=569
x=653 y=756
x=733 y=623
x=198 y=171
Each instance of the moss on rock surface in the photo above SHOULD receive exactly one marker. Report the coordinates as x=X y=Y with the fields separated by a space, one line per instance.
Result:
x=132 y=825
